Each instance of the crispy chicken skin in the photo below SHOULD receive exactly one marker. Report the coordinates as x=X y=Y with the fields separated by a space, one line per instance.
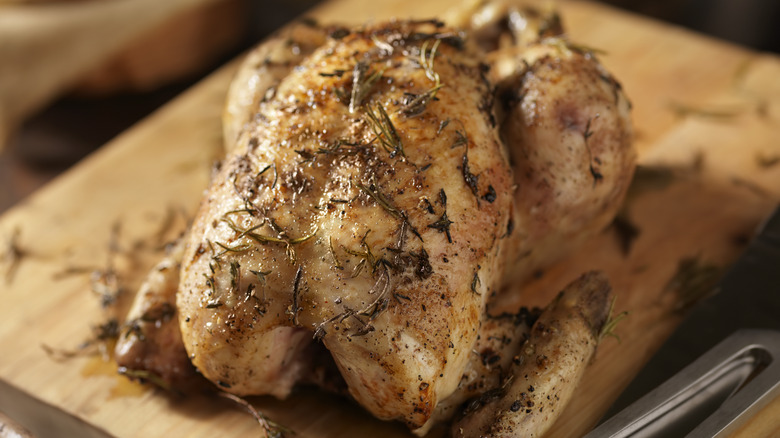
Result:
x=372 y=243
x=149 y=346
x=381 y=185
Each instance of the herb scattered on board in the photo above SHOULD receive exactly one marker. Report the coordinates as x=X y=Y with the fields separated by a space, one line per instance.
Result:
x=693 y=281
x=13 y=255
x=145 y=376
x=751 y=187
x=270 y=428
x=608 y=329
x=101 y=342
x=767 y=161
x=646 y=178
x=684 y=110
x=626 y=231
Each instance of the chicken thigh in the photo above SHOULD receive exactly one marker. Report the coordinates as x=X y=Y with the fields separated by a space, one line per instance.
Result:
x=381 y=185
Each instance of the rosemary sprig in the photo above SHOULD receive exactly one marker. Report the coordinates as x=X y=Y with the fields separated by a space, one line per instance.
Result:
x=366 y=256
x=442 y=225
x=333 y=254
x=373 y=192
x=259 y=238
x=236 y=248
x=384 y=130
x=443 y=124
x=260 y=275
x=235 y=276
x=276 y=173
x=362 y=83
x=386 y=47
x=684 y=110
x=145 y=376
x=472 y=181
x=341 y=147
x=595 y=173
x=271 y=429
x=296 y=308
x=416 y=104
x=102 y=338
x=460 y=139
x=475 y=281
x=379 y=305
x=427 y=59
x=693 y=281
x=612 y=321
x=767 y=161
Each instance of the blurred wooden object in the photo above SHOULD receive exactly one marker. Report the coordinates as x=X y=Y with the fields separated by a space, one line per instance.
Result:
x=47 y=48
x=182 y=46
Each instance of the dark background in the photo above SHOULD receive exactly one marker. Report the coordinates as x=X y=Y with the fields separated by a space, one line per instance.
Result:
x=72 y=127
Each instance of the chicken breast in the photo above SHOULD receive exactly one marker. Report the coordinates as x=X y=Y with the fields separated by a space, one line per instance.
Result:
x=366 y=205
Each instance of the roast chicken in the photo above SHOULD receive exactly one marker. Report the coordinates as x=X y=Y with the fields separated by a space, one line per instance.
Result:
x=381 y=185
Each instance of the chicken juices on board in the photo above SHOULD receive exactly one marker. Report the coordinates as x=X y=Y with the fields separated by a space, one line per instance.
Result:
x=380 y=187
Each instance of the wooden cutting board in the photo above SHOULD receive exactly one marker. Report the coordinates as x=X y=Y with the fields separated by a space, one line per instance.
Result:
x=706 y=109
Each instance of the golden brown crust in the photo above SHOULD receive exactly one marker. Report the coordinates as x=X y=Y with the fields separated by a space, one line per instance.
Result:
x=367 y=200
x=545 y=372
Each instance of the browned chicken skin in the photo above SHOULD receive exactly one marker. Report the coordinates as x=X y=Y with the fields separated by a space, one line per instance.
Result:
x=381 y=185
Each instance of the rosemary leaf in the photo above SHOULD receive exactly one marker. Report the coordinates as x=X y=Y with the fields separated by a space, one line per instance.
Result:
x=362 y=83
x=384 y=130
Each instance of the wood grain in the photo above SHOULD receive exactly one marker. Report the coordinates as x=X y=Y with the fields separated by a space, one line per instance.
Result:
x=722 y=187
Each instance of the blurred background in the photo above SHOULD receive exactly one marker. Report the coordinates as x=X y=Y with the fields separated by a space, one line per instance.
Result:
x=91 y=95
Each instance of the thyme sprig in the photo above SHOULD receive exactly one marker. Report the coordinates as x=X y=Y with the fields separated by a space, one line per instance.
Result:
x=384 y=130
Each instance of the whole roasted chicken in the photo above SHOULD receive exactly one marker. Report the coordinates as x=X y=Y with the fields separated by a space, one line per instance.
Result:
x=381 y=185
